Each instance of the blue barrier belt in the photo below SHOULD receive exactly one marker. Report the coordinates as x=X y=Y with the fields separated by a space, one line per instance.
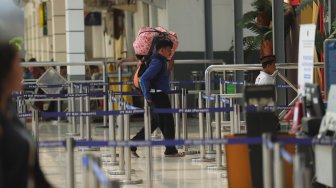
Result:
x=192 y=110
x=211 y=98
x=247 y=140
x=128 y=107
x=287 y=156
x=252 y=141
x=98 y=113
x=100 y=174
x=43 y=96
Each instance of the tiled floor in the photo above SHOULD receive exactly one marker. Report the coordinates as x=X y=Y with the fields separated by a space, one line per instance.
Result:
x=168 y=172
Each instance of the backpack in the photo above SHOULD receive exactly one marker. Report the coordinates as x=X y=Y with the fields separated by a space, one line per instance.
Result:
x=144 y=45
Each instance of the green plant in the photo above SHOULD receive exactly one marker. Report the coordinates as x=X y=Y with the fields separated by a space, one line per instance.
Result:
x=17 y=41
x=259 y=22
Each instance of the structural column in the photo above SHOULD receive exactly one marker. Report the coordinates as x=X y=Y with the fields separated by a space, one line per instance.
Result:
x=58 y=30
x=75 y=37
x=208 y=29
x=49 y=45
x=279 y=42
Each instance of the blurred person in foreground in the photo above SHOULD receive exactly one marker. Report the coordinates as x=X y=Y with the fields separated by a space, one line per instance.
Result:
x=19 y=163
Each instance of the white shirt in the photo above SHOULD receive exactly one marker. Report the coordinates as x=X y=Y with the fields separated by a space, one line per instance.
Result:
x=265 y=79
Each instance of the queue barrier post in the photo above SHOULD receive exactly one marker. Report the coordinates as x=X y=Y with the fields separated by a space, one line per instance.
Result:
x=121 y=170
x=148 y=150
x=35 y=124
x=202 y=157
x=70 y=143
x=177 y=115
x=219 y=165
x=81 y=109
x=112 y=132
x=278 y=171
x=128 y=167
x=267 y=161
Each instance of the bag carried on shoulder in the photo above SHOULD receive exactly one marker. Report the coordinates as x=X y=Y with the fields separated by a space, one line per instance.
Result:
x=144 y=45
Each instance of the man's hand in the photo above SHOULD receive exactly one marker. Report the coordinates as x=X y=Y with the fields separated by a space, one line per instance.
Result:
x=171 y=65
x=119 y=62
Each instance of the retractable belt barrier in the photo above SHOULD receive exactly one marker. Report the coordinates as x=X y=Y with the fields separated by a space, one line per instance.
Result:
x=97 y=94
x=249 y=140
x=136 y=110
x=34 y=86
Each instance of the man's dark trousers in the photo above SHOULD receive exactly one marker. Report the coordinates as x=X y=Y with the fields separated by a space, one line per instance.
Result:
x=164 y=121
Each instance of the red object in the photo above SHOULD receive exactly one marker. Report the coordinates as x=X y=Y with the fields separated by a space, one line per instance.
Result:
x=321 y=18
x=297 y=116
x=294 y=2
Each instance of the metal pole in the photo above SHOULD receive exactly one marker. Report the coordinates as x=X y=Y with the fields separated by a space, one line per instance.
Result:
x=209 y=127
x=279 y=42
x=128 y=151
x=59 y=109
x=177 y=115
x=85 y=173
x=238 y=118
x=219 y=165
x=73 y=109
x=184 y=117
x=267 y=161
x=298 y=171
x=112 y=132
x=232 y=119
x=105 y=97
x=70 y=144
x=201 y=125
x=238 y=40
x=88 y=118
x=202 y=157
x=147 y=122
x=81 y=118
x=35 y=124
x=208 y=29
x=278 y=167
x=221 y=91
x=121 y=170
x=208 y=55
x=129 y=180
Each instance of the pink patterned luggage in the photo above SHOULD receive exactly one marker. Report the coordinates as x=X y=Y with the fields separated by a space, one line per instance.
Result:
x=143 y=44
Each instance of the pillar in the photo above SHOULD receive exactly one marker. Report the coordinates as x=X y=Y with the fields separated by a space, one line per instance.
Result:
x=58 y=30
x=75 y=37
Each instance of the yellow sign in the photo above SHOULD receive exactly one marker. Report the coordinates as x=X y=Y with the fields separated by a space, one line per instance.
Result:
x=41 y=15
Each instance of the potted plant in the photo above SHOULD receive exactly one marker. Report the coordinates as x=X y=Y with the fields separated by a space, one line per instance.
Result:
x=259 y=22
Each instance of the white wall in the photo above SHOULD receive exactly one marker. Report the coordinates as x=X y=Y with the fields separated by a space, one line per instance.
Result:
x=186 y=18
x=223 y=24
